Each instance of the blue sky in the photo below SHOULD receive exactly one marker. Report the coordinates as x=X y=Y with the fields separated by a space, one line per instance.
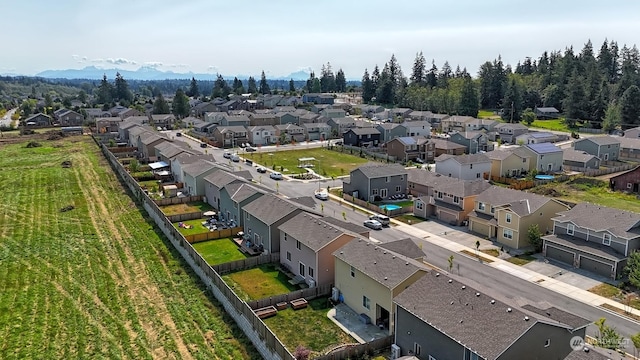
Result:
x=279 y=36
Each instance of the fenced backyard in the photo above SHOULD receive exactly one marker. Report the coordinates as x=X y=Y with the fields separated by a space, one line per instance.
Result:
x=375 y=208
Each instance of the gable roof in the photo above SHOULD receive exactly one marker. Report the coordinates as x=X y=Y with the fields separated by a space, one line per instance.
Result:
x=547 y=109
x=576 y=155
x=288 y=126
x=467 y=315
x=405 y=247
x=465 y=158
x=365 y=131
x=231 y=128
x=220 y=179
x=388 y=126
x=446 y=144
x=378 y=263
x=449 y=185
x=270 y=208
x=239 y=192
x=601 y=140
x=543 y=148
x=502 y=154
x=513 y=126
x=621 y=223
x=170 y=150
x=377 y=170
x=311 y=230
x=520 y=202
x=198 y=168
x=349 y=226
x=539 y=134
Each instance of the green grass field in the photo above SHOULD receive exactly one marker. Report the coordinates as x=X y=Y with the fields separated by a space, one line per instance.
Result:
x=329 y=162
x=554 y=124
x=97 y=281
x=309 y=327
x=219 y=251
x=260 y=282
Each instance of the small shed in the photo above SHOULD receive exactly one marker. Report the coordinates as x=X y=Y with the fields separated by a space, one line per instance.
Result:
x=170 y=190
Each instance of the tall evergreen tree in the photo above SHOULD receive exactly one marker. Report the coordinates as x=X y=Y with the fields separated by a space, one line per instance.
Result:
x=575 y=102
x=512 y=102
x=180 y=104
x=220 y=88
x=160 y=106
x=264 y=85
x=445 y=75
x=292 y=86
x=418 y=75
x=431 y=77
x=238 y=87
x=121 y=89
x=193 y=88
x=309 y=84
x=105 y=91
x=375 y=78
x=385 y=91
x=468 y=105
x=327 y=79
x=629 y=69
x=367 y=87
x=341 y=81
x=252 y=88
x=630 y=107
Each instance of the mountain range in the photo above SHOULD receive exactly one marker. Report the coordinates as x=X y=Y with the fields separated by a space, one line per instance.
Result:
x=151 y=73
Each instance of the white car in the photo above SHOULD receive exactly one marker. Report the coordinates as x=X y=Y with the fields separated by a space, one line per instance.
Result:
x=276 y=176
x=235 y=158
x=382 y=219
x=261 y=170
x=373 y=224
x=227 y=155
x=322 y=195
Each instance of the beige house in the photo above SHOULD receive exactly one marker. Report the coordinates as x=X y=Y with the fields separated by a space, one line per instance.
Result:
x=370 y=276
x=509 y=162
x=505 y=215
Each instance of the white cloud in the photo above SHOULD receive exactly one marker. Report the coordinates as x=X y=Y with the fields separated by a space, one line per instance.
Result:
x=120 y=61
x=153 y=64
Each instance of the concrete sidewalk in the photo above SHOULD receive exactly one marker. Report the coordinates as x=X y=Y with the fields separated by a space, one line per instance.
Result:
x=560 y=287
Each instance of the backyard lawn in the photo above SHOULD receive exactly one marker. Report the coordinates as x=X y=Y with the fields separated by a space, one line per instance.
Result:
x=219 y=251
x=258 y=283
x=185 y=208
x=329 y=162
x=196 y=227
x=97 y=280
x=309 y=327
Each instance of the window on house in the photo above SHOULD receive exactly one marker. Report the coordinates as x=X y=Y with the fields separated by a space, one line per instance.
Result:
x=470 y=166
x=416 y=349
x=398 y=188
x=508 y=218
x=570 y=229
x=606 y=239
x=419 y=205
x=366 y=302
x=298 y=245
x=547 y=343
x=629 y=185
x=247 y=216
x=302 y=268
x=493 y=210
x=507 y=234
x=456 y=200
x=477 y=175
x=481 y=206
x=353 y=272
x=311 y=272
x=388 y=179
x=374 y=191
x=440 y=195
x=288 y=256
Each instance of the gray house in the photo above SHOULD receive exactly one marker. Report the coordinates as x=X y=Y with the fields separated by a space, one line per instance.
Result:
x=376 y=182
x=361 y=137
x=442 y=318
x=316 y=131
x=473 y=141
x=194 y=175
x=509 y=131
x=579 y=159
x=262 y=218
x=607 y=148
x=463 y=167
x=390 y=131
x=215 y=182
x=545 y=157
x=182 y=159
x=233 y=197
x=595 y=238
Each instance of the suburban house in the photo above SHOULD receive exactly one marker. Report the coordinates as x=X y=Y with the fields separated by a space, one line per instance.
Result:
x=546 y=113
x=233 y=197
x=69 y=118
x=455 y=123
x=230 y=136
x=506 y=215
x=317 y=98
x=262 y=135
x=307 y=244
x=124 y=127
x=633 y=133
x=215 y=182
x=361 y=137
x=263 y=217
x=181 y=160
x=595 y=238
x=129 y=112
x=448 y=199
x=38 y=119
x=416 y=128
x=333 y=113
x=579 y=160
x=509 y=162
x=147 y=142
x=285 y=117
x=536 y=137
x=545 y=157
x=316 y=131
x=162 y=120
x=628 y=181
x=215 y=117
x=369 y=276
x=167 y=151
x=376 y=182
x=480 y=125
x=400 y=113
x=442 y=146
x=236 y=120
x=202 y=108
x=407 y=149
x=508 y=132
x=309 y=117
x=390 y=131
x=606 y=148
x=340 y=125
x=473 y=141
x=108 y=125
x=443 y=318
x=94 y=113
x=463 y=167
x=194 y=174
x=289 y=133
x=262 y=119
x=629 y=148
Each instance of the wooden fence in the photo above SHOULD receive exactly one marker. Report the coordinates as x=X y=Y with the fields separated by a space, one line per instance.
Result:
x=376 y=208
x=602 y=171
x=359 y=351
x=310 y=293
x=185 y=217
x=212 y=235
x=178 y=200
x=247 y=263
x=377 y=155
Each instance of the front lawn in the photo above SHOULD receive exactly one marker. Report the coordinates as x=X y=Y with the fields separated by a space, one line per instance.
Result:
x=185 y=208
x=258 y=283
x=309 y=327
x=409 y=219
x=219 y=251
x=329 y=163
x=520 y=259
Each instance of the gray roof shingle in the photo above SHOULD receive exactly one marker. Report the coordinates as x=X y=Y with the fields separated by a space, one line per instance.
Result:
x=311 y=230
x=601 y=140
x=445 y=184
x=376 y=170
x=405 y=247
x=465 y=159
x=270 y=208
x=520 y=202
x=621 y=223
x=575 y=155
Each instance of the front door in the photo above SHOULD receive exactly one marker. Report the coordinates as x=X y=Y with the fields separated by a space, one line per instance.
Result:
x=383 y=193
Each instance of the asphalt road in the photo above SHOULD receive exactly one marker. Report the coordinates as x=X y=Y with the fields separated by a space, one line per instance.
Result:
x=491 y=279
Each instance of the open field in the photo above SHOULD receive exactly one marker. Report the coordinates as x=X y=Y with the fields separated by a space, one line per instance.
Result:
x=554 y=124
x=329 y=162
x=97 y=281
x=219 y=251
x=309 y=327
x=258 y=283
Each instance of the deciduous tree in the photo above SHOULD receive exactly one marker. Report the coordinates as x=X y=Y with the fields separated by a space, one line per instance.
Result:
x=632 y=270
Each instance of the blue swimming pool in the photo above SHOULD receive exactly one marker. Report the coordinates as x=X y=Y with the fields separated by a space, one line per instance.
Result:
x=390 y=207
x=544 y=177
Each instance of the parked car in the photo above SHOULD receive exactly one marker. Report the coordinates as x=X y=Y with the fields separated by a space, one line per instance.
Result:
x=276 y=176
x=249 y=149
x=178 y=134
x=203 y=145
x=235 y=158
x=227 y=155
x=322 y=194
x=382 y=219
x=419 y=160
x=373 y=224
x=261 y=170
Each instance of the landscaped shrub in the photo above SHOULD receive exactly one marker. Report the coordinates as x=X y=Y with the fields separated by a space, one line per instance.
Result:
x=143 y=175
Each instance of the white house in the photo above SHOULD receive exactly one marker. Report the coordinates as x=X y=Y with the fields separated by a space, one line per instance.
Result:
x=262 y=135
x=463 y=167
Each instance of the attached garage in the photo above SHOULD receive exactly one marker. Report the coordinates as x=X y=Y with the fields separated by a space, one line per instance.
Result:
x=448 y=217
x=479 y=228
x=560 y=255
x=599 y=267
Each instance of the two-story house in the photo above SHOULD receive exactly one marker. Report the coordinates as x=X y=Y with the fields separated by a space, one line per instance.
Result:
x=441 y=317
x=38 y=119
x=594 y=237
x=390 y=131
x=509 y=162
x=506 y=215
x=455 y=123
x=262 y=119
x=369 y=277
x=361 y=137
x=230 y=136
x=545 y=157
x=340 y=125
x=416 y=128
x=289 y=133
x=444 y=146
x=285 y=117
x=445 y=198
x=215 y=182
x=316 y=131
x=307 y=244
x=473 y=141
x=509 y=131
x=262 y=135
x=69 y=118
x=194 y=173
x=536 y=137
x=332 y=113
x=167 y=151
x=373 y=182
x=606 y=148
x=146 y=144
x=417 y=148
x=234 y=196
x=464 y=167
x=180 y=160
x=235 y=120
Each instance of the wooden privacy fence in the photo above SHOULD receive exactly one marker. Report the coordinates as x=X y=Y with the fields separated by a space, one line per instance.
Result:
x=310 y=293
x=360 y=350
x=178 y=200
x=185 y=217
x=247 y=263
x=212 y=235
